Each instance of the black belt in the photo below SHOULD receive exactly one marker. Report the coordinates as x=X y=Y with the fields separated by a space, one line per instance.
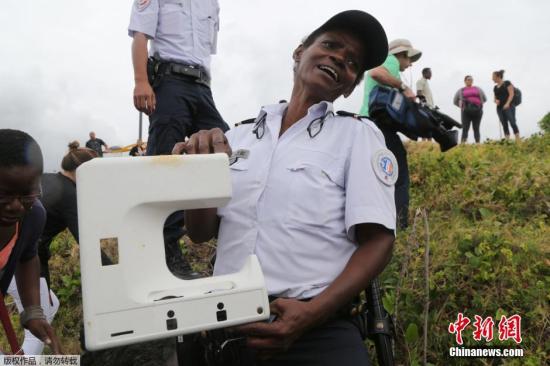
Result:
x=197 y=73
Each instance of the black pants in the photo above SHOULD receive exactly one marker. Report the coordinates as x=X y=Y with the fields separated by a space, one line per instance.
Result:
x=337 y=342
x=183 y=108
x=395 y=145
x=471 y=118
x=505 y=116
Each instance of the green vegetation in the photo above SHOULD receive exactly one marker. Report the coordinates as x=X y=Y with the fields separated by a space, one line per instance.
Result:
x=544 y=123
x=488 y=212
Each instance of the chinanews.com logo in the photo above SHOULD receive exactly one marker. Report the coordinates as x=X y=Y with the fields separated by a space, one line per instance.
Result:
x=509 y=327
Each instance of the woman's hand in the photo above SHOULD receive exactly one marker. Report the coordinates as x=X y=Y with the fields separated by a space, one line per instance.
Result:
x=204 y=142
x=506 y=106
x=43 y=331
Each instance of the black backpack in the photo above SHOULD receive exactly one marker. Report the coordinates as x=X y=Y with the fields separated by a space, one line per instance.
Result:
x=516 y=100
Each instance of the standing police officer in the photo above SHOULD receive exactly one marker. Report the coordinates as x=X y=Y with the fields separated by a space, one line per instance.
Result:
x=184 y=35
x=177 y=95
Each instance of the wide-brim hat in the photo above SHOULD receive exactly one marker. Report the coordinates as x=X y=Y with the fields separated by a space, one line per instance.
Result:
x=401 y=45
x=367 y=29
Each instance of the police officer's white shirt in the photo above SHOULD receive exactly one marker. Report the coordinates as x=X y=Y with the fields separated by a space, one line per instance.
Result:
x=183 y=31
x=296 y=199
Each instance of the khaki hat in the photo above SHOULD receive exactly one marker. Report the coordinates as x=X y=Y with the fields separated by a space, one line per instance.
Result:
x=401 y=45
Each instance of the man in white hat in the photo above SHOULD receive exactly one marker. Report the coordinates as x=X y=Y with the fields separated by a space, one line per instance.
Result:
x=401 y=55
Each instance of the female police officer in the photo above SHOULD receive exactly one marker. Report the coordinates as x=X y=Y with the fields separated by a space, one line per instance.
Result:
x=312 y=198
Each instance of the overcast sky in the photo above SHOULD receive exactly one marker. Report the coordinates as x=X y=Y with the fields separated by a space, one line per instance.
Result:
x=65 y=65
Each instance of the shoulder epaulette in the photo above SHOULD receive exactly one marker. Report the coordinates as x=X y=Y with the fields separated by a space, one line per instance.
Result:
x=245 y=122
x=350 y=114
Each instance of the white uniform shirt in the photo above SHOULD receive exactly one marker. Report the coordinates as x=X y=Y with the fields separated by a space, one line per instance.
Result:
x=183 y=31
x=296 y=199
x=423 y=86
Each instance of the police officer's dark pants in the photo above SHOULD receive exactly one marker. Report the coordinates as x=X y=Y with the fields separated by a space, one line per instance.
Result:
x=336 y=343
x=184 y=107
x=395 y=145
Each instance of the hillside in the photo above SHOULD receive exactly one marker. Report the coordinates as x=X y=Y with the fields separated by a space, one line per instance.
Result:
x=486 y=209
x=488 y=214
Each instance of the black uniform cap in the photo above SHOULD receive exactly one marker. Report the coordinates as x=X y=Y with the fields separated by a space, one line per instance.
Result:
x=366 y=28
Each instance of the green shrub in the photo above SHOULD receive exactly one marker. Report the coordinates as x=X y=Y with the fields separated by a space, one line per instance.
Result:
x=544 y=123
x=488 y=210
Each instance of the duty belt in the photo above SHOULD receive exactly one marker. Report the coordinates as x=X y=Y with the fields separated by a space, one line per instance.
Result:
x=197 y=73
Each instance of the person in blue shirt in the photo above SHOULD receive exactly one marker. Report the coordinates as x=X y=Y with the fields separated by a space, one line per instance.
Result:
x=179 y=101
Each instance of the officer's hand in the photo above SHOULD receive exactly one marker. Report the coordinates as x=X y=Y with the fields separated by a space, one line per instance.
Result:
x=294 y=318
x=409 y=94
x=144 y=98
x=43 y=331
x=204 y=142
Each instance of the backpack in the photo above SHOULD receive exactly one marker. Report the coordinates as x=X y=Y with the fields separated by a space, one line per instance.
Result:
x=516 y=100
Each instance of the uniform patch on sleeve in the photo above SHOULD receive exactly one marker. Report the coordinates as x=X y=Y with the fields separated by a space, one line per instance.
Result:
x=142 y=4
x=385 y=166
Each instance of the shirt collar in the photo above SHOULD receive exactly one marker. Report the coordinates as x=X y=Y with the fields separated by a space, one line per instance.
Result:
x=314 y=111
x=274 y=114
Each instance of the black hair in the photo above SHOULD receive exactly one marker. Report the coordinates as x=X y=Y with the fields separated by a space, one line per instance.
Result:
x=467 y=76
x=426 y=70
x=499 y=73
x=76 y=156
x=18 y=148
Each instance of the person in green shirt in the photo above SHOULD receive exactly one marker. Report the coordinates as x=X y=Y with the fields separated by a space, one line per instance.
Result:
x=401 y=56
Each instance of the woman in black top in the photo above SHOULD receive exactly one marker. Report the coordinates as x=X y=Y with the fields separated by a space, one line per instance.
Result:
x=506 y=110
x=59 y=199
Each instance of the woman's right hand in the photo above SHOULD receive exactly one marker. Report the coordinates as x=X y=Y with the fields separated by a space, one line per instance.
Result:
x=204 y=142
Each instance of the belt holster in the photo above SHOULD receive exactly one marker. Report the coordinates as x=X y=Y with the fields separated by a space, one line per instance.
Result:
x=153 y=76
x=187 y=72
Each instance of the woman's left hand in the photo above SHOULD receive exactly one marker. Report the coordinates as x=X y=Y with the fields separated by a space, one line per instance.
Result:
x=506 y=106
x=294 y=318
x=43 y=331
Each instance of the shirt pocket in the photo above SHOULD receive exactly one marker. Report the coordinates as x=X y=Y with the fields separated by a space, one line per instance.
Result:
x=172 y=17
x=316 y=189
x=207 y=17
x=239 y=173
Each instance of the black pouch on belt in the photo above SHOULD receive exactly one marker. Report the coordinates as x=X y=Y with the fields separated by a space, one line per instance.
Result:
x=152 y=71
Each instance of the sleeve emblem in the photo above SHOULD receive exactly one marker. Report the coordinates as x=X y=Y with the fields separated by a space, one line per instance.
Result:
x=385 y=166
x=142 y=4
